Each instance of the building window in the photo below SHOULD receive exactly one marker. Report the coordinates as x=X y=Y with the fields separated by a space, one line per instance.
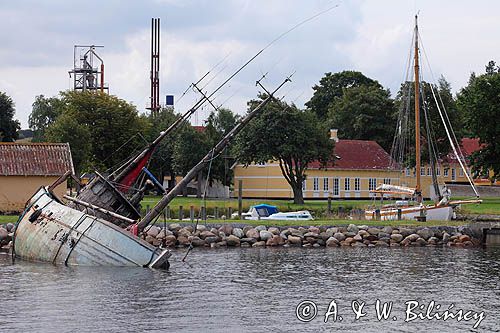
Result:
x=304 y=185
x=347 y=184
x=438 y=171
x=428 y=171
x=372 y=184
x=336 y=186
x=461 y=172
x=387 y=181
x=325 y=184
x=446 y=172
x=357 y=186
x=261 y=164
x=422 y=171
x=316 y=184
x=408 y=172
x=453 y=174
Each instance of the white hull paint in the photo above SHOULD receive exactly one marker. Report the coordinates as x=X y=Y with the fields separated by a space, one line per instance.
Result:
x=432 y=213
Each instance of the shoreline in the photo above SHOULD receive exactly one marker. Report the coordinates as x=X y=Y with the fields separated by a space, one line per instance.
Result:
x=184 y=235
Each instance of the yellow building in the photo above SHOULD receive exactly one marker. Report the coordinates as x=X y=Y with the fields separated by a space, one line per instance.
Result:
x=361 y=166
x=25 y=167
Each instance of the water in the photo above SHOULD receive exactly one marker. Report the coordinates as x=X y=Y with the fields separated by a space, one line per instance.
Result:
x=254 y=290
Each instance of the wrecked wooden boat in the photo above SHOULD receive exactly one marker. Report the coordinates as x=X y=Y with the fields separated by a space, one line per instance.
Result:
x=51 y=231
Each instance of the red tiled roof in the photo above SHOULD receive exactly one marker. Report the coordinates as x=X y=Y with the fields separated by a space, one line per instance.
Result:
x=35 y=159
x=358 y=154
x=470 y=145
x=199 y=129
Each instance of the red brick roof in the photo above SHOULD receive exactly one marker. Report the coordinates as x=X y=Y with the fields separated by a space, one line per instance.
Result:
x=35 y=159
x=359 y=155
x=470 y=145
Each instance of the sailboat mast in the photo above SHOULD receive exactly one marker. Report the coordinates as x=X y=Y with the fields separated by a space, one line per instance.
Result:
x=417 y=117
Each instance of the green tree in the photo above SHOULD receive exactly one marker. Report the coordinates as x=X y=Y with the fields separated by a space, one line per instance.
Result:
x=435 y=132
x=114 y=126
x=218 y=124
x=8 y=125
x=478 y=102
x=285 y=134
x=364 y=112
x=45 y=111
x=332 y=86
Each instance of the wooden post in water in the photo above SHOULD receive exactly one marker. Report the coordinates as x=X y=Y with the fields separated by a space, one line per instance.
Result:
x=240 y=198
x=181 y=213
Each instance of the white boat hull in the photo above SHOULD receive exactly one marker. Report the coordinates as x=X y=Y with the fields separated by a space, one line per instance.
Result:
x=431 y=213
x=49 y=231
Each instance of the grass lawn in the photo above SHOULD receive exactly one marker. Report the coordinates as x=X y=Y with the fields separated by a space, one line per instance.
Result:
x=8 y=219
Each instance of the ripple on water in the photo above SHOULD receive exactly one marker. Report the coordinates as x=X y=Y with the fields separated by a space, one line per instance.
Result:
x=251 y=290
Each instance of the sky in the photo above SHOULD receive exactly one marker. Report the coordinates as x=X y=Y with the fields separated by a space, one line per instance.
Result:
x=200 y=36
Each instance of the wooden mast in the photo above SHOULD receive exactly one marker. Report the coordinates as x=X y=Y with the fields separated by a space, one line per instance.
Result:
x=418 y=187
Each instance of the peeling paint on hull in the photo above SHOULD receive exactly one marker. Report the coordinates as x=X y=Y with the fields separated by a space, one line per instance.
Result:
x=49 y=231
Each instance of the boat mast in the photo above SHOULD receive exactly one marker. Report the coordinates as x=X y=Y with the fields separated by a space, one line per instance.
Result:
x=418 y=188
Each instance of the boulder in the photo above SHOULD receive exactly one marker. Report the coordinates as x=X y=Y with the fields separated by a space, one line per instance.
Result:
x=381 y=243
x=324 y=236
x=252 y=233
x=425 y=233
x=248 y=240
x=358 y=244
x=397 y=237
x=363 y=233
x=464 y=238
x=206 y=233
x=274 y=230
x=311 y=234
x=210 y=240
x=420 y=241
x=184 y=232
x=259 y=244
x=358 y=238
x=373 y=231
x=238 y=232
x=383 y=235
x=152 y=230
x=174 y=226
x=294 y=240
x=246 y=228
x=182 y=240
x=339 y=236
x=150 y=239
x=314 y=229
x=164 y=233
x=353 y=228
x=265 y=235
x=197 y=241
x=331 y=231
x=10 y=227
x=433 y=240
x=446 y=237
x=296 y=232
x=275 y=241
x=387 y=230
x=227 y=229
x=201 y=228
x=260 y=228
x=332 y=242
x=406 y=231
x=232 y=240
x=170 y=240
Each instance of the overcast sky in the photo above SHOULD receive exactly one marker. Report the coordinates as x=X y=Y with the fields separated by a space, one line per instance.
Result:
x=371 y=36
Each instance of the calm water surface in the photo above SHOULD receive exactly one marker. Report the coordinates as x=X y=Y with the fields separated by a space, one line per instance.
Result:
x=254 y=290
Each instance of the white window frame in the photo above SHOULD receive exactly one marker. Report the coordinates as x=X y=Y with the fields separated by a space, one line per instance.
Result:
x=438 y=171
x=372 y=184
x=326 y=184
x=453 y=174
x=422 y=171
x=408 y=172
x=428 y=171
x=336 y=186
x=347 y=184
x=304 y=185
x=387 y=181
x=445 y=173
x=316 y=184
x=461 y=172
x=357 y=184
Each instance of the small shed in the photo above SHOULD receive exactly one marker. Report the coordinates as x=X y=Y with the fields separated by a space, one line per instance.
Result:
x=25 y=167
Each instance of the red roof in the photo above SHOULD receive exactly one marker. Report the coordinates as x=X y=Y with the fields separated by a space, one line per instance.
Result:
x=199 y=129
x=358 y=154
x=35 y=159
x=470 y=145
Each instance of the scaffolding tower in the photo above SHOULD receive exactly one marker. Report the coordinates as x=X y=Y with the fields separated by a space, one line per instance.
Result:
x=86 y=74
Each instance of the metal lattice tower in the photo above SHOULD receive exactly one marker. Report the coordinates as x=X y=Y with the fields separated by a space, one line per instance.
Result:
x=86 y=74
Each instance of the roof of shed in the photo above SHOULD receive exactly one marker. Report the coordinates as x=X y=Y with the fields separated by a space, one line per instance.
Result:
x=35 y=159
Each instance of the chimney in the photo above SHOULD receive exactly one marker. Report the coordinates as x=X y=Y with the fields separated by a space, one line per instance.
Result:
x=333 y=134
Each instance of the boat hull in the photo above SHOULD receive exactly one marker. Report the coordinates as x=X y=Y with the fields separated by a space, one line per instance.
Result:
x=432 y=213
x=49 y=231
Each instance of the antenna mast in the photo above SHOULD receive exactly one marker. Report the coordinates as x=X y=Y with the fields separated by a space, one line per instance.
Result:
x=418 y=187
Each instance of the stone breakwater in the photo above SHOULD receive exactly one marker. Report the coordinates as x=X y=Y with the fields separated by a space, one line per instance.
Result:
x=176 y=235
x=6 y=233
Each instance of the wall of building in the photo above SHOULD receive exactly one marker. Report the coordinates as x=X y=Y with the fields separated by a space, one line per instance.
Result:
x=16 y=190
x=267 y=181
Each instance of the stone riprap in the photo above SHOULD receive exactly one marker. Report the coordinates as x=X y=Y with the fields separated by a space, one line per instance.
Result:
x=177 y=235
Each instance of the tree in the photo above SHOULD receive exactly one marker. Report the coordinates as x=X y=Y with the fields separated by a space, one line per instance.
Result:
x=44 y=112
x=364 y=112
x=219 y=123
x=285 y=134
x=332 y=86
x=478 y=102
x=8 y=125
x=113 y=126
x=436 y=132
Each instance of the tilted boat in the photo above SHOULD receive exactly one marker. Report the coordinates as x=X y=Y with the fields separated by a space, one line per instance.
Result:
x=82 y=233
x=443 y=208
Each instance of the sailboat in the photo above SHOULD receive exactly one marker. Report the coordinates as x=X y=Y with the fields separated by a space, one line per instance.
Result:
x=50 y=230
x=443 y=207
